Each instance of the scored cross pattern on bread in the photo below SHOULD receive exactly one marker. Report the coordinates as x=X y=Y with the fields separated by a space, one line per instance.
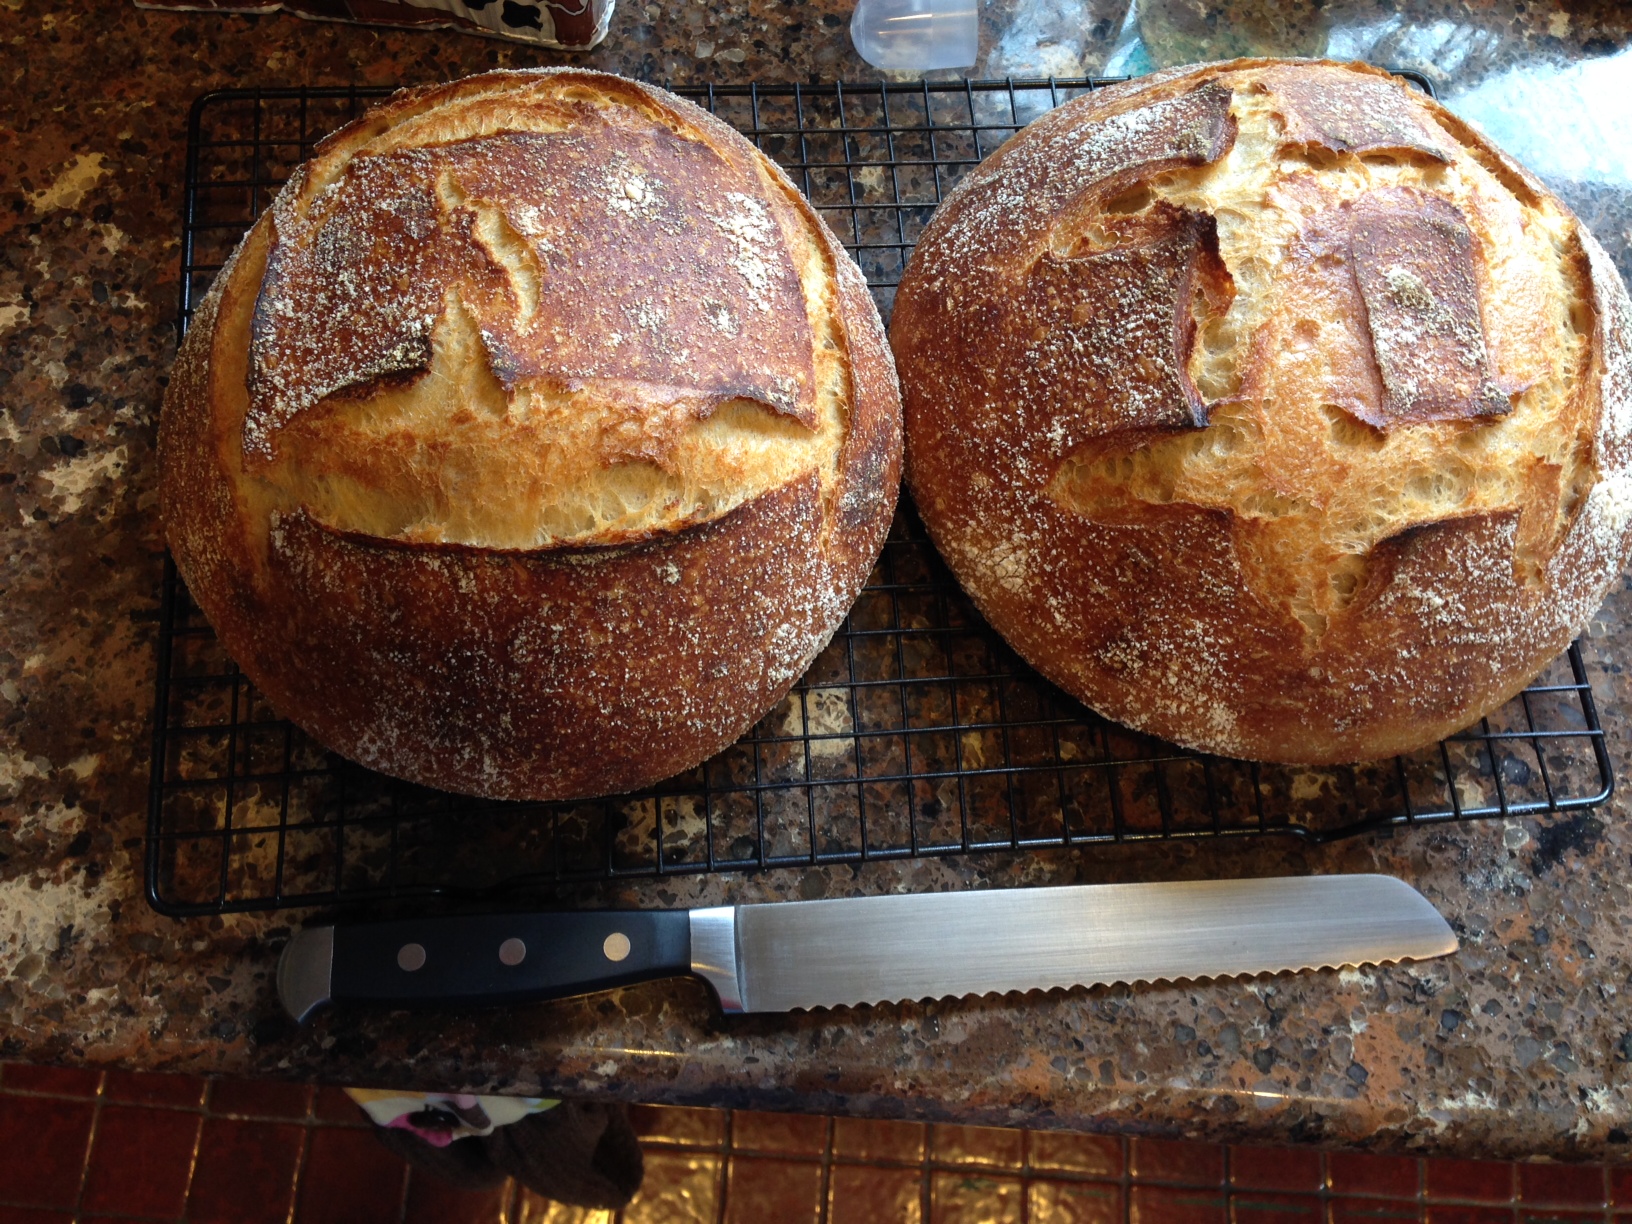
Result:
x=1297 y=422
x=585 y=277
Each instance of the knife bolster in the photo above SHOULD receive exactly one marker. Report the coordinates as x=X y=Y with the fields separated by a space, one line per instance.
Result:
x=714 y=954
x=304 y=970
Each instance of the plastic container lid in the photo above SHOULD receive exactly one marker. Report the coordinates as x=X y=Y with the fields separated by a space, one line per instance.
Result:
x=917 y=35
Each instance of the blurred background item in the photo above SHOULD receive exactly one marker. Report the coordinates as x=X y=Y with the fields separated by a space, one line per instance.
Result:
x=574 y=25
x=916 y=35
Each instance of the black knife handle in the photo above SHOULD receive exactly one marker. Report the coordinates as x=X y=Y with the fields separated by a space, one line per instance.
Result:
x=506 y=958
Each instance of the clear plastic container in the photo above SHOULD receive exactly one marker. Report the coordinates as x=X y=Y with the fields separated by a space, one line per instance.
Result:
x=916 y=35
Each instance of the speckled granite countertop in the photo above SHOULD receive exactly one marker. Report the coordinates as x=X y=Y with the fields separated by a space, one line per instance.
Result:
x=1519 y=1045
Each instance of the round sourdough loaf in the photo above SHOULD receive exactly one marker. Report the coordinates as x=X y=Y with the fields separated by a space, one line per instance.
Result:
x=534 y=441
x=1268 y=408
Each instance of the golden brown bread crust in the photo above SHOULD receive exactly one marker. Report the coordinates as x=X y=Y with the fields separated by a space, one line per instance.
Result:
x=357 y=478
x=1307 y=442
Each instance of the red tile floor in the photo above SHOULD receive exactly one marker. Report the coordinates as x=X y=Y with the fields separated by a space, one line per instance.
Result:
x=83 y=1145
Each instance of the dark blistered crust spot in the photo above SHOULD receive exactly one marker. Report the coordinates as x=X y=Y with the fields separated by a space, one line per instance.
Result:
x=348 y=299
x=643 y=216
x=608 y=251
x=1102 y=340
x=1352 y=113
x=1316 y=280
x=1040 y=192
x=1413 y=260
x=1193 y=129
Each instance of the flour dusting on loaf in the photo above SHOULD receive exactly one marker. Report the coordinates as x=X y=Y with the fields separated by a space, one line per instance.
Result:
x=535 y=440
x=1267 y=407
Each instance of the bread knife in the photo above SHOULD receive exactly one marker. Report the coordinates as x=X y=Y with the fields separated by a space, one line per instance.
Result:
x=845 y=952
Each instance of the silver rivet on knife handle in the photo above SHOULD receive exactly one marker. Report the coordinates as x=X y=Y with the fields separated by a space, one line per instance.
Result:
x=714 y=953
x=305 y=970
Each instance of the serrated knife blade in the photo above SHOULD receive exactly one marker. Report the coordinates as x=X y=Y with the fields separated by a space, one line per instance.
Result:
x=851 y=951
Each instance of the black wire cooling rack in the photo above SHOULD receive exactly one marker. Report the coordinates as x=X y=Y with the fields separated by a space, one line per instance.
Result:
x=916 y=732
